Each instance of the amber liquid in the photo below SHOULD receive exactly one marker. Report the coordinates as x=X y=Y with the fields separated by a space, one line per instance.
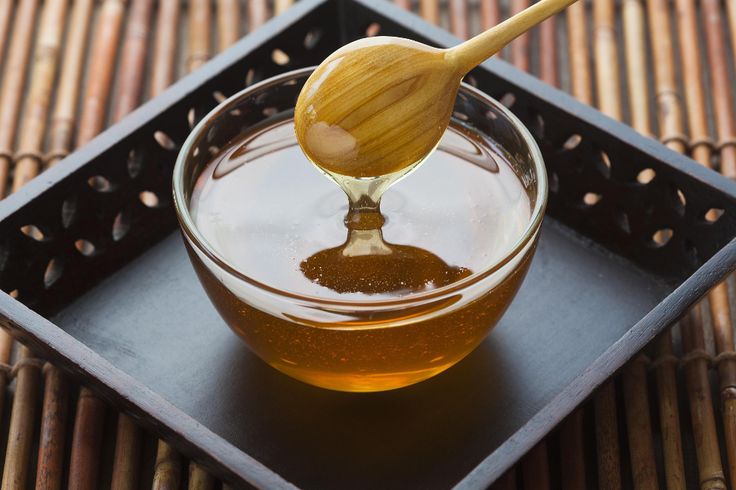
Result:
x=275 y=218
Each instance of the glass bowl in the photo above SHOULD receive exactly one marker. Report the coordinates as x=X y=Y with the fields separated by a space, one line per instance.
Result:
x=359 y=344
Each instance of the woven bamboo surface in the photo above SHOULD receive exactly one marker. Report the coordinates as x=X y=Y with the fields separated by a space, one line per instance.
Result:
x=667 y=420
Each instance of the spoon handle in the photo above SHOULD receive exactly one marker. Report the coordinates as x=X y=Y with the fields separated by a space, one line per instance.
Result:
x=481 y=47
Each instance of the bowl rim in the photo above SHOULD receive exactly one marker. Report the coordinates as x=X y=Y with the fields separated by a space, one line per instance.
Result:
x=200 y=243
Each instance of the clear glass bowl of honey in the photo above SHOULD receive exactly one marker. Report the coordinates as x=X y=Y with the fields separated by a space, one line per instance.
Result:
x=358 y=305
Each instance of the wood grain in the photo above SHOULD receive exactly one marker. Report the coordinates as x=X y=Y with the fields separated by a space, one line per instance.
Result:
x=430 y=10
x=535 y=468
x=605 y=49
x=490 y=14
x=606 y=437
x=638 y=425
x=167 y=473
x=280 y=6
x=13 y=84
x=198 y=34
x=572 y=452
x=636 y=66
x=548 y=60
x=257 y=14
x=519 y=48
x=89 y=427
x=6 y=9
x=458 y=11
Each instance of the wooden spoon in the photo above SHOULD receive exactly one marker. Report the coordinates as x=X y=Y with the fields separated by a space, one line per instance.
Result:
x=379 y=106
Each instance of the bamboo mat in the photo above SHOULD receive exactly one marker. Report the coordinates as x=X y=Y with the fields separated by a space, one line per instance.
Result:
x=667 y=420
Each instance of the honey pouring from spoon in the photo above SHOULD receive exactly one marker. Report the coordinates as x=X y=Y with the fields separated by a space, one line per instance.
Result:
x=377 y=107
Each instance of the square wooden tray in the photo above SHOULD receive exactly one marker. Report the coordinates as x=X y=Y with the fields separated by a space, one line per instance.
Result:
x=132 y=321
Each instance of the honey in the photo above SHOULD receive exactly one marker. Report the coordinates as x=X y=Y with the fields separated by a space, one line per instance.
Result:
x=376 y=299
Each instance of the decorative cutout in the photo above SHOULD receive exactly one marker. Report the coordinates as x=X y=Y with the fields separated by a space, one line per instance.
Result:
x=712 y=215
x=373 y=29
x=85 y=247
x=100 y=183
x=646 y=176
x=149 y=199
x=508 y=99
x=591 y=198
x=53 y=272
x=660 y=238
x=460 y=115
x=572 y=142
x=34 y=232
x=280 y=57
x=312 y=38
x=134 y=164
x=622 y=221
x=219 y=96
x=603 y=164
x=68 y=212
x=121 y=225
x=164 y=140
x=554 y=183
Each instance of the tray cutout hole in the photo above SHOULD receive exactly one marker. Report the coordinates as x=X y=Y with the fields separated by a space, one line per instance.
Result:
x=279 y=57
x=120 y=225
x=219 y=96
x=312 y=38
x=99 y=183
x=554 y=183
x=250 y=77
x=134 y=164
x=15 y=294
x=537 y=126
x=603 y=164
x=149 y=199
x=164 y=140
x=33 y=231
x=53 y=272
x=373 y=29
x=713 y=215
x=591 y=198
x=68 y=212
x=622 y=221
x=572 y=142
x=85 y=247
x=662 y=237
x=678 y=200
x=646 y=176
x=508 y=99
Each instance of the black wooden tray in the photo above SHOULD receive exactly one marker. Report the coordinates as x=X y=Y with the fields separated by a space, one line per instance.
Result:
x=105 y=290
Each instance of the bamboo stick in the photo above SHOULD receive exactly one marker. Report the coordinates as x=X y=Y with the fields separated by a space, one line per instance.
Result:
x=638 y=425
x=609 y=102
x=14 y=80
x=519 y=47
x=490 y=14
x=669 y=106
x=572 y=459
x=606 y=66
x=199 y=479
x=133 y=59
x=164 y=50
x=606 y=437
x=6 y=348
x=6 y=9
x=228 y=22
x=102 y=66
x=731 y=11
x=669 y=416
x=578 y=53
x=89 y=425
x=257 y=14
x=722 y=87
x=53 y=430
x=535 y=468
x=722 y=90
x=280 y=6
x=459 y=18
x=64 y=116
x=126 y=461
x=636 y=64
x=430 y=10
x=200 y=21
x=45 y=62
x=710 y=471
x=22 y=422
x=548 y=62
x=167 y=473
x=700 y=142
